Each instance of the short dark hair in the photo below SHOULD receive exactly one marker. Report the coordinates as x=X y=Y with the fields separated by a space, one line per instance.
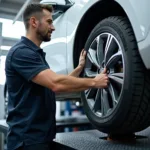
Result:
x=34 y=10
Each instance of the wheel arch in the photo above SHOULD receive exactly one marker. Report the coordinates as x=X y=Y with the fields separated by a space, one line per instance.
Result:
x=90 y=20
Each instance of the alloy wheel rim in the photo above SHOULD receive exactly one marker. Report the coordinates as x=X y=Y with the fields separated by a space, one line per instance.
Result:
x=105 y=51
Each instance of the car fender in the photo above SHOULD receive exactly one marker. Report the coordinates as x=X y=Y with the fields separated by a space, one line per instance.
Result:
x=138 y=13
x=74 y=16
x=138 y=19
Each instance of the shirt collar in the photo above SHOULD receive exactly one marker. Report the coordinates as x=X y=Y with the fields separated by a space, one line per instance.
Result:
x=30 y=43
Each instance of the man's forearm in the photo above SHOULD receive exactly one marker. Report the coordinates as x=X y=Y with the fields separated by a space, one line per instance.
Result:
x=63 y=83
x=72 y=84
x=76 y=72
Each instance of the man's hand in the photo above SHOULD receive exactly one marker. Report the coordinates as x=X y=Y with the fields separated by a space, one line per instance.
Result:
x=82 y=59
x=76 y=72
x=101 y=80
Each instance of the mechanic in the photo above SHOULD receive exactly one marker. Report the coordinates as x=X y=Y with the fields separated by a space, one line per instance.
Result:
x=32 y=84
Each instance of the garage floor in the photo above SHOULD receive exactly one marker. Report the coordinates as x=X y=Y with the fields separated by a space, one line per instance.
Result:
x=95 y=140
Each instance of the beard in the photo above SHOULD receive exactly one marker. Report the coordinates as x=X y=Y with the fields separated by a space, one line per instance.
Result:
x=44 y=37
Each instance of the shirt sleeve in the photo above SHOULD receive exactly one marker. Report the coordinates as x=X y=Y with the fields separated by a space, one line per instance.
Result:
x=27 y=63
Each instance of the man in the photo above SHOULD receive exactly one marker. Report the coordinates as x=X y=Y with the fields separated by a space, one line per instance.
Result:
x=32 y=84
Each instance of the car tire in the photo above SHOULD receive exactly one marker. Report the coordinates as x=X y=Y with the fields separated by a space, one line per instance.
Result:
x=110 y=111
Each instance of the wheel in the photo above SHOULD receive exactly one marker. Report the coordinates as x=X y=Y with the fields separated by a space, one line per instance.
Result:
x=124 y=106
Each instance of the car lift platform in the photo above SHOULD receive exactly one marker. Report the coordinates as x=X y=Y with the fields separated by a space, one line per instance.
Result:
x=96 y=140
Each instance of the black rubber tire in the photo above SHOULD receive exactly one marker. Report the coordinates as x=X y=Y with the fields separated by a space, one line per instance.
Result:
x=133 y=111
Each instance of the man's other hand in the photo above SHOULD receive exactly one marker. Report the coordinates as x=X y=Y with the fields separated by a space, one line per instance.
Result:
x=82 y=59
x=102 y=80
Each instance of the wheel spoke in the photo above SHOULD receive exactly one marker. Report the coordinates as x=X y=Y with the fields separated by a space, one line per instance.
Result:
x=104 y=102
x=113 y=93
x=90 y=103
x=116 y=79
x=114 y=59
x=91 y=93
x=92 y=57
x=100 y=50
x=119 y=75
x=89 y=73
x=97 y=103
x=110 y=47
x=109 y=39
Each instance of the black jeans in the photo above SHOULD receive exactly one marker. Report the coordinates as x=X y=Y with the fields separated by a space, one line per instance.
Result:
x=46 y=146
x=40 y=146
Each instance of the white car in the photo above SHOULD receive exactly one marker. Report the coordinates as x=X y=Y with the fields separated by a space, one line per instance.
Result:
x=116 y=35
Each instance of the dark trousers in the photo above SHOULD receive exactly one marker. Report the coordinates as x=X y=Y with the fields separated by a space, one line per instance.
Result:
x=40 y=146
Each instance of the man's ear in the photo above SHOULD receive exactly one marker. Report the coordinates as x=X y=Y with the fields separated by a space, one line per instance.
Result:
x=33 y=22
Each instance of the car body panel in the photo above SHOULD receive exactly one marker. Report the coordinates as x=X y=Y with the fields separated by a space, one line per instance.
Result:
x=139 y=20
x=56 y=48
x=138 y=13
x=61 y=2
x=144 y=48
x=60 y=55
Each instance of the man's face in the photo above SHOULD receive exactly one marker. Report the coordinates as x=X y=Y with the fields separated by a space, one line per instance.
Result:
x=45 y=26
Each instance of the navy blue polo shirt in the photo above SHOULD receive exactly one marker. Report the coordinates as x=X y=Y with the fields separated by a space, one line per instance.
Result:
x=31 y=107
